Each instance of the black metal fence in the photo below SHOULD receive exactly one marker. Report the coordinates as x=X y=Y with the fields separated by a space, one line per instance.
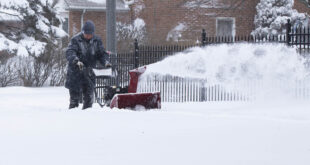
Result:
x=298 y=37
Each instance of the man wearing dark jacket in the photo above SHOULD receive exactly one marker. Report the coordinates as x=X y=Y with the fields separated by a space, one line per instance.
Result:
x=84 y=50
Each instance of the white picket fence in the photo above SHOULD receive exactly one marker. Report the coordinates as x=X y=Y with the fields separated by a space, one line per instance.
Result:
x=174 y=89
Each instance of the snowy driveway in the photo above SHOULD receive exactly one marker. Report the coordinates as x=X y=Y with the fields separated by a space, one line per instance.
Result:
x=36 y=128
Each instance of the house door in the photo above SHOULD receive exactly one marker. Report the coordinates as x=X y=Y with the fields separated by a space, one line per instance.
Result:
x=225 y=27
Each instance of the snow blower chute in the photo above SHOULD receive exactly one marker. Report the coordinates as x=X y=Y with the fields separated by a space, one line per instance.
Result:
x=127 y=97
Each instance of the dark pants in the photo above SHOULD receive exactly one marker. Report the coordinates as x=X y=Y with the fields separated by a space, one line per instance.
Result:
x=88 y=93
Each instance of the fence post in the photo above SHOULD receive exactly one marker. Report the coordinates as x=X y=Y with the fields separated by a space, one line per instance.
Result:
x=204 y=37
x=202 y=89
x=136 y=54
x=288 y=31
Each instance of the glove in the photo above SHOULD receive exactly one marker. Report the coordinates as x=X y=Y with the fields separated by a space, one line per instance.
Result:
x=77 y=62
x=108 y=64
x=109 y=53
x=80 y=65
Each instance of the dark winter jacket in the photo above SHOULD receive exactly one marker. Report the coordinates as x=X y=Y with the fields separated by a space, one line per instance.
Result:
x=88 y=52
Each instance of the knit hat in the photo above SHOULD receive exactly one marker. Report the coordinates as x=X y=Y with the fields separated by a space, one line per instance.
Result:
x=89 y=27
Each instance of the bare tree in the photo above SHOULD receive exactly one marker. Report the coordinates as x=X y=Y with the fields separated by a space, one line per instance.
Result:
x=59 y=69
x=8 y=72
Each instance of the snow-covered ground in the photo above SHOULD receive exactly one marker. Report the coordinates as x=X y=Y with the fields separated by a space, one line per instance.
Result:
x=37 y=128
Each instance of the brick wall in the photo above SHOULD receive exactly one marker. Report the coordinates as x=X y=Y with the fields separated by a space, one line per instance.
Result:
x=162 y=16
x=301 y=6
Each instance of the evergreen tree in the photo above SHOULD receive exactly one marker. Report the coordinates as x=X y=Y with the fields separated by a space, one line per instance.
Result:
x=272 y=16
x=36 y=40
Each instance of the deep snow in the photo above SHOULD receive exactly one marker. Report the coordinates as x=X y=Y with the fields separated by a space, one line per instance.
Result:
x=36 y=128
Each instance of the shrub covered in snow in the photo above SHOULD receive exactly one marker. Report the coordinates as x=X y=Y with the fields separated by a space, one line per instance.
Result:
x=126 y=33
x=272 y=16
x=175 y=34
x=138 y=6
x=37 y=39
x=8 y=71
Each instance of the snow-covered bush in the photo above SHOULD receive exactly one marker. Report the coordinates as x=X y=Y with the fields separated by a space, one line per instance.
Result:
x=272 y=16
x=127 y=33
x=37 y=40
x=58 y=71
x=137 y=6
x=8 y=71
x=32 y=72
x=176 y=33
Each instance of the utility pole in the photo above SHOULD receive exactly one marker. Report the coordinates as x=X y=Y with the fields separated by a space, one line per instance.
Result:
x=111 y=35
x=111 y=25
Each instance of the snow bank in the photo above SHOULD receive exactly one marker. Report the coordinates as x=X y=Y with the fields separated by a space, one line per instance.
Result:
x=226 y=63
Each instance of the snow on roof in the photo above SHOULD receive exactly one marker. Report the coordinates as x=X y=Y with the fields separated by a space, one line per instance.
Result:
x=94 y=5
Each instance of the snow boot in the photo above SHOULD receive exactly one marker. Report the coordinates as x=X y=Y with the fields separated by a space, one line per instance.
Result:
x=87 y=105
x=71 y=106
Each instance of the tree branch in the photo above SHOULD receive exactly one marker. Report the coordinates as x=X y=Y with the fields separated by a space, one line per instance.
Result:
x=15 y=15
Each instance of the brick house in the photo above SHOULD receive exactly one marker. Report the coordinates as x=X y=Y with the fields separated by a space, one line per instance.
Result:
x=176 y=20
x=218 y=17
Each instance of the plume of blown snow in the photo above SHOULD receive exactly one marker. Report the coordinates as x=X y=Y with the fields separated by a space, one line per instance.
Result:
x=272 y=67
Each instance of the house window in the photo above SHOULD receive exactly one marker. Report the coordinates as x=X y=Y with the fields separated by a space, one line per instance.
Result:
x=225 y=26
x=65 y=25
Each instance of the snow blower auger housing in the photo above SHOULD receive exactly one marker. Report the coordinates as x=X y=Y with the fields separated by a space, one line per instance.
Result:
x=127 y=97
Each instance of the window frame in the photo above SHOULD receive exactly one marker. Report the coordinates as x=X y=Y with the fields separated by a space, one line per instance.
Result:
x=233 y=19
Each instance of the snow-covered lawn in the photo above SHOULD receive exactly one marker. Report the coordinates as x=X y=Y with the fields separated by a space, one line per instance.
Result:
x=36 y=128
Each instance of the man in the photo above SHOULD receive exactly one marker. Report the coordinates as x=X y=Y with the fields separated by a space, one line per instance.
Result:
x=84 y=50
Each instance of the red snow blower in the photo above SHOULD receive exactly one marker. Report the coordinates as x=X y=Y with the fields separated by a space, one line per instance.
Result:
x=126 y=97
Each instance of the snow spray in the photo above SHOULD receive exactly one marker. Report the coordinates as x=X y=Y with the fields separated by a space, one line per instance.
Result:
x=255 y=71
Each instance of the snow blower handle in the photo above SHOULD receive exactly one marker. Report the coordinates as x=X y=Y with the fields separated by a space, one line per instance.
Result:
x=88 y=73
x=108 y=64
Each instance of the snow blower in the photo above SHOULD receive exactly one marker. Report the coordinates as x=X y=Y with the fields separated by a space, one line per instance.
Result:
x=126 y=97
